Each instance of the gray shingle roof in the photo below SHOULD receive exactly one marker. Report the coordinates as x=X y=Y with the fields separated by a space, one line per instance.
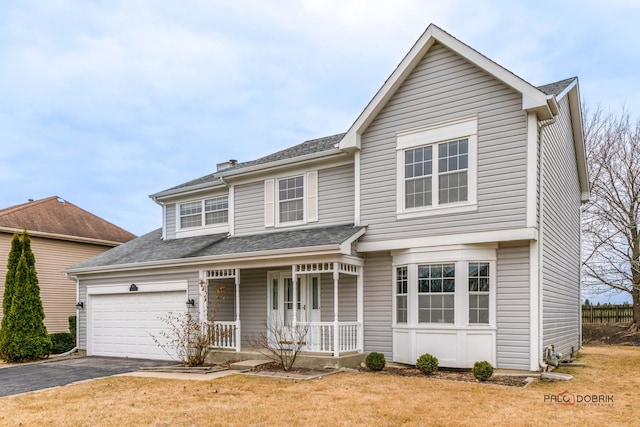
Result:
x=307 y=147
x=151 y=247
x=556 y=88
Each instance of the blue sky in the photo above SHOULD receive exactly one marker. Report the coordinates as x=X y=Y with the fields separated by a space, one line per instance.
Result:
x=106 y=102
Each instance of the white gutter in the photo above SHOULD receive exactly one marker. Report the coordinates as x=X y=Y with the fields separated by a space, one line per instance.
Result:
x=64 y=237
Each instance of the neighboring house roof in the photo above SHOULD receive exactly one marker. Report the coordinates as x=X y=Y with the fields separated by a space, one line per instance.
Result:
x=151 y=248
x=557 y=88
x=56 y=218
x=308 y=147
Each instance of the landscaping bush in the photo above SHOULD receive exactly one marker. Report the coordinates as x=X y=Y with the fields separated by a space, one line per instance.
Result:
x=61 y=342
x=375 y=361
x=72 y=327
x=427 y=363
x=482 y=371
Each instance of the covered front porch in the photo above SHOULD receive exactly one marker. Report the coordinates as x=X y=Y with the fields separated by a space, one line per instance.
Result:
x=315 y=304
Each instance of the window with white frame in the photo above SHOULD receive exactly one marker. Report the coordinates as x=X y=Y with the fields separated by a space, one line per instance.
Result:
x=206 y=212
x=436 y=293
x=479 y=284
x=401 y=294
x=437 y=168
x=291 y=199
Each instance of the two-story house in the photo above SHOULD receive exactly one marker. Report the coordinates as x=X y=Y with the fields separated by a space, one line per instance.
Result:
x=446 y=220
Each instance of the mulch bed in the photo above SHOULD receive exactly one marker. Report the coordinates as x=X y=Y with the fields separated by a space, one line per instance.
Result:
x=408 y=371
x=463 y=375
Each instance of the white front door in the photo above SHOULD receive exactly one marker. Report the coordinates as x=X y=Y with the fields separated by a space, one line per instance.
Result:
x=281 y=303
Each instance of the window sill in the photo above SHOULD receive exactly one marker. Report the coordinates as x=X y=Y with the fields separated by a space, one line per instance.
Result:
x=290 y=224
x=201 y=231
x=425 y=212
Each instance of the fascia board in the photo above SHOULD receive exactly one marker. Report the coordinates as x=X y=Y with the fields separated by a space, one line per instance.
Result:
x=63 y=237
x=578 y=139
x=183 y=191
x=532 y=98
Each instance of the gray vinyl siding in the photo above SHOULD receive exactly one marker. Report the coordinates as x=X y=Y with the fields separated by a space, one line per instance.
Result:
x=561 y=236
x=347 y=302
x=193 y=292
x=444 y=87
x=253 y=305
x=335 y=201
x=336 y=195
x=378 y=304
x=170 y=221
x=512 y=311
x=226 y=305
x=249 y=208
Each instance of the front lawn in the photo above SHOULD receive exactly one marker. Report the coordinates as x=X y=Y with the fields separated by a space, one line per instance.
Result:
x=354 y=398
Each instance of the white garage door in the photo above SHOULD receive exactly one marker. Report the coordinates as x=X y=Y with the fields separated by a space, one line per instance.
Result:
x=123 y=325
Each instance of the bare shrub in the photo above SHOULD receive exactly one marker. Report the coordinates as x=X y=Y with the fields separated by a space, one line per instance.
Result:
x=187 y=338
x=281 y=343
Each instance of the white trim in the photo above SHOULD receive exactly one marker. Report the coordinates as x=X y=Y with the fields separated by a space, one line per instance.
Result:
x=532 y=170
x=450 y=239
x=231 y=210
x=277 y=200
x=269 y=203
x=444 y=254
x=310 y=197
x=465 y=128
x=204 y=228
x=181 y=285
x=357 y=200
x=534 y=312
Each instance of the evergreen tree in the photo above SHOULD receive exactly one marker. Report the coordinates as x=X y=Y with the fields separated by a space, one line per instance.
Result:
x=31 y=264
x=24 y=335
x=9 y=281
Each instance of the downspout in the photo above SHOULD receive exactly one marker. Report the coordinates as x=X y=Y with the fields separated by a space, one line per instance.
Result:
x=542 y=125
x=74 y=349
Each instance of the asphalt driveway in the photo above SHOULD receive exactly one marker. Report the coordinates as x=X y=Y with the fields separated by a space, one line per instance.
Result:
x=23 y=378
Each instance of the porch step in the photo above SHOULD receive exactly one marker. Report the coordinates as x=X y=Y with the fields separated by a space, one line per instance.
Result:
x=247 y=364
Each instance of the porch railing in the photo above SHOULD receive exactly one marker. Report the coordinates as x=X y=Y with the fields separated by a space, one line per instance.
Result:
x=222 y=334
x=321 y=336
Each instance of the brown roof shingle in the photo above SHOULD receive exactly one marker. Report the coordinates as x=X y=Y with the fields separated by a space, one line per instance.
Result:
x=54 y=215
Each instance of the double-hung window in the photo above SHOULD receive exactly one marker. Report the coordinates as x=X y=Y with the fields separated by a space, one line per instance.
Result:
x=479 y=284
x=437 y=169
x=436 y=293
x=206 y=212
x=291 y=199
x=401 y=294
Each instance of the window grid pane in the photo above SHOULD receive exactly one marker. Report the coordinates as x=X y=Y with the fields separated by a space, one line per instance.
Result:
x=436 y=293
x=418 y=168
x=401 y=294
x=291 y=198
x=479 y=284
x=453 y=162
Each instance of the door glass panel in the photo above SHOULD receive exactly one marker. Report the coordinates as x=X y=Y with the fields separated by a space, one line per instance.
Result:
x=274 y=294
x=315 y=303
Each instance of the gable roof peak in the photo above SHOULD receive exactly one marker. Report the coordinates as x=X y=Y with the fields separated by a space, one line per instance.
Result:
x=533 y=99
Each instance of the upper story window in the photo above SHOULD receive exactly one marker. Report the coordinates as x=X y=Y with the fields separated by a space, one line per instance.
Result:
x=291 y=199
x=206 y=212
x=437 y=169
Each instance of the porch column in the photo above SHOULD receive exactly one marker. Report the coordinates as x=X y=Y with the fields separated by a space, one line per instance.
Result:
x=294 y=314
x=360 y=308
x=238 y=334
x=336 y=325
x=203 y=291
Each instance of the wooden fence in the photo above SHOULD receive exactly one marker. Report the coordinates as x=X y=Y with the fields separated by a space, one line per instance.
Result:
x=607 y=314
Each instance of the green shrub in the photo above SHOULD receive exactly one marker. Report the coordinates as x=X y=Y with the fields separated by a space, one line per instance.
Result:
x=72 y=327
x=482 y=370
x=61 y=342
x=427 y=363
x=375 y=361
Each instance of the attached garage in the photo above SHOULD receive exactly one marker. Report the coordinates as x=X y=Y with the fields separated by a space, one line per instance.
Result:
x=124 y=322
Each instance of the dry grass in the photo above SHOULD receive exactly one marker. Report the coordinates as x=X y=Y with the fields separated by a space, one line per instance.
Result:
x=342 y=399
